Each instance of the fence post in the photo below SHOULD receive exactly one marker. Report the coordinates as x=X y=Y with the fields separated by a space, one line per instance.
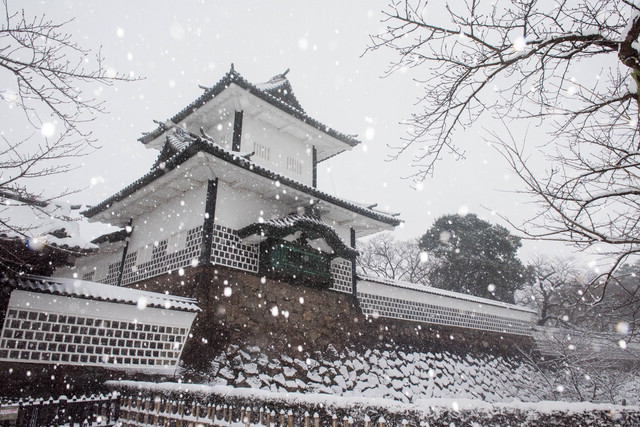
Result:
x=345 y=421
x=247 y=415
x=230 y=414
x=367 y=421
x=290 y=418
x=334 y=420
x=382 y=422
x=306 y=419
x=316 y=420
x=261 y=416
x=282 y=417
x=138 y=415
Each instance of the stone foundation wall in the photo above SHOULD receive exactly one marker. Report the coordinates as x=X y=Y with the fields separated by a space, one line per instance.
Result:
x=293 y=319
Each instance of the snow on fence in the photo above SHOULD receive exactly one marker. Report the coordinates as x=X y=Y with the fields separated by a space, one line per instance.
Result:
x=136 y=411
x=100 y=410
x=292 y=411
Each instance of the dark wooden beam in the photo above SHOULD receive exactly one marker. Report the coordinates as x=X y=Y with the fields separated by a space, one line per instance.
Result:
x=314 y=162
x=354 y=281
x=125 y=250
x=209 y=217
x=237 y=131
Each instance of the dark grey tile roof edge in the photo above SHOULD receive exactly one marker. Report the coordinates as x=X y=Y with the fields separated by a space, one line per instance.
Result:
x=234 y=77
x=233 y=158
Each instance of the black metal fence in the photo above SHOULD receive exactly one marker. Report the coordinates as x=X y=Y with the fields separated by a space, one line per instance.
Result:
x=94 y=410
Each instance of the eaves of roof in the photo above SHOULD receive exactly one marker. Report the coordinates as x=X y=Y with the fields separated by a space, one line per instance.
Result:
x=102 y=292
x=201 y=145
x=234 y=77
x=444 y=293
x=280 y=227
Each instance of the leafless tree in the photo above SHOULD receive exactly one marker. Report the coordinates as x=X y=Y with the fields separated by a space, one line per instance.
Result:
x=385 y=257
x=559 y=291
x=580 y=365
x=49 y=71
x=48 y=68
x=569 y=66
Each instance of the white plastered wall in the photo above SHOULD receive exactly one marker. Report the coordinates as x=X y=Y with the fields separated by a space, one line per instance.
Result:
x=180 y=213
x=287 y=155
x=236 y=207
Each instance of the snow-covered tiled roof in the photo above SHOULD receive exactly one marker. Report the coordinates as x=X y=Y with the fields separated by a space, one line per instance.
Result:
x=207 y=146
x=293 y=219
x=277 y=92
x=47 y=223
x=442 y=292
x=309 y=222
x=280 y=87
x=101 y=292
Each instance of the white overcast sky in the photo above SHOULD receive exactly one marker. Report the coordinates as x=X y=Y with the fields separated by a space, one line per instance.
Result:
x=177 y=45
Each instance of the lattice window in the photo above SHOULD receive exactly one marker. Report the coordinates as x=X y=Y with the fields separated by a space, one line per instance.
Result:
x=342 y=275
x=161 y=261
x=113 y=271
x=88 y=276
x=227 y=249
x=294 y=165
x=261 y=151
x=377 y=305
x=177 y=242
x=38 y=336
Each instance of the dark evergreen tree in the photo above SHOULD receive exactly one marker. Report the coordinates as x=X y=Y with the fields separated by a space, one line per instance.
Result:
x=474 y=257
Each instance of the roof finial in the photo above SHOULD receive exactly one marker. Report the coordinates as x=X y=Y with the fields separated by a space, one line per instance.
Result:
x=232 y=69
x=285 y=73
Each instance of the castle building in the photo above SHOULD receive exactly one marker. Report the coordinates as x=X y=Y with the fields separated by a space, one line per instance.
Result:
x=230 y=217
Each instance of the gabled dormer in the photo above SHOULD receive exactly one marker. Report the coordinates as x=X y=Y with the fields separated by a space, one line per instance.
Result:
x=264 y=122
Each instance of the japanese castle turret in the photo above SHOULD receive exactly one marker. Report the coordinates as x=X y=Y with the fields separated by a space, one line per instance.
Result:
x=235 y=185
x=230 y=214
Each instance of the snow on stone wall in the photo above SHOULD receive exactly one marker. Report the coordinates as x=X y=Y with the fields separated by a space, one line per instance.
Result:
x=386 y=372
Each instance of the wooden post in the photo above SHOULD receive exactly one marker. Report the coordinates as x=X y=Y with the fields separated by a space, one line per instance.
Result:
x=230 y=414
x=316 y=420
x=367 y=421
x=290 y=418
x=345 y=421
x=334 y=420
x=382 y=422
x=282 y=417
x=261 y=419
x=181 y=413
x=247 y=416
x=129 y=405
x=306 y=419
x=147 y=409
x=156 y=418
